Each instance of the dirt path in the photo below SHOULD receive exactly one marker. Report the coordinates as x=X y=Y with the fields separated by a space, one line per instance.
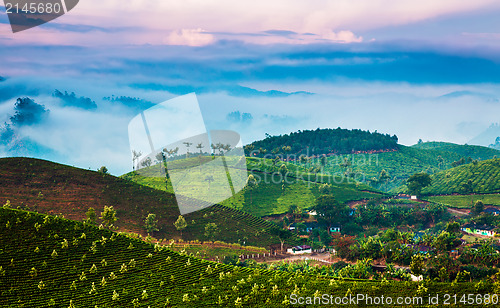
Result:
x=325 y=256
x=459 y=211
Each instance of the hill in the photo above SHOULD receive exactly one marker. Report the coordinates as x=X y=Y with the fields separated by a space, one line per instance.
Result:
x=57 y=262
x=271 y=195
x=361 y=155
x=48 y=261
x=323 y=141
x=53 y=188
x=472 y=151
x=399 y=164
x=483 y=178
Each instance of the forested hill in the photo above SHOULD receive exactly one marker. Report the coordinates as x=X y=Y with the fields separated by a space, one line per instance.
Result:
x=324 y=141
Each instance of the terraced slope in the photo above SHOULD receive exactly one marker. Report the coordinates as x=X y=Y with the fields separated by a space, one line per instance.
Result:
x=47 y=261
x=472 y=151
x=271 y=196
x=53 y=188
x=484 y=178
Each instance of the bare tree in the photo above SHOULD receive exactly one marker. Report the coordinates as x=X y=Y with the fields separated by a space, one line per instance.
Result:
x=135 y=156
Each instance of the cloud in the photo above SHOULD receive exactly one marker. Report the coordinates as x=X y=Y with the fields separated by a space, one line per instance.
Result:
x=189 y=37
x=148 y=20
x=342 y=37
x=233 y=90
x=281 y=32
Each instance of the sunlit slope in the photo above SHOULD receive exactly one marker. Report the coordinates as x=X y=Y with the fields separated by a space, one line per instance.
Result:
x=484 y=177
x=274 y=193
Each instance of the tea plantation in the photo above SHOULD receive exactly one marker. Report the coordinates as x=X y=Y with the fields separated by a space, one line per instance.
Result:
x=48 y=261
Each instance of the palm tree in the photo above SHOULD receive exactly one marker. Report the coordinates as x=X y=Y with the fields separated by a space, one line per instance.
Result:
x=200 y=146
x=209 y=179
x=169 y=154
x=188 y=144
x=251 y=184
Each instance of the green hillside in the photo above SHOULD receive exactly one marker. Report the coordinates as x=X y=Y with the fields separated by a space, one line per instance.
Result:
x=53 y=188
x=465 y=201
x=57 y=262
x=322 y=141
x=48 y=261
x=483 y=178
x=361 y=156
x=270 y=196
x=401 y=164
x=473 y=151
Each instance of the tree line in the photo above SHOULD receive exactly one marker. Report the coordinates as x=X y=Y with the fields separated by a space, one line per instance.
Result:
x=324 y=141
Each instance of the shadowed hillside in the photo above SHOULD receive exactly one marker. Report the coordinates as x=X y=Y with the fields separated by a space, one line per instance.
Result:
x=53 y=188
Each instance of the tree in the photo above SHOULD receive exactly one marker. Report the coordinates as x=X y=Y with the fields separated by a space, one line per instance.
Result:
x=147 y=162
x=468 y=188
x=440 y=161
x=293 y=209
x=283 y=172
x=384 y=177
x=180 y=224
x=453 y=227
x=281 y=234
x=135 y=156
x=325 y=237
x=417 y=265
x=478 y=207
x=417 y=182
x=108 y=215
x=187 y=144
x=151 y=223
x=330 y=211
x=91 y=215
x=211 y=230
x=325 y=189
x=200 y=146
x=323 y=160
x=209 y=179
x=103 y=170
x=251 y=184
x=159 y=157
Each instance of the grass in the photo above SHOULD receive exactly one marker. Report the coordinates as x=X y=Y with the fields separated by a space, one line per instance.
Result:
x=464 y=201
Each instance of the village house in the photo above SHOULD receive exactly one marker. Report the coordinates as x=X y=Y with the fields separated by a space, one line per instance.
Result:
x=479 y=230
x=492 y=211
x=300 y=249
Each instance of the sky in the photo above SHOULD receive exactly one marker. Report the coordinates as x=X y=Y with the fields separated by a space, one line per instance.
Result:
x=421 y=70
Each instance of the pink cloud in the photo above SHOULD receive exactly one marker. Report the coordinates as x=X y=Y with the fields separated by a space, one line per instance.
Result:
x=189 y=37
